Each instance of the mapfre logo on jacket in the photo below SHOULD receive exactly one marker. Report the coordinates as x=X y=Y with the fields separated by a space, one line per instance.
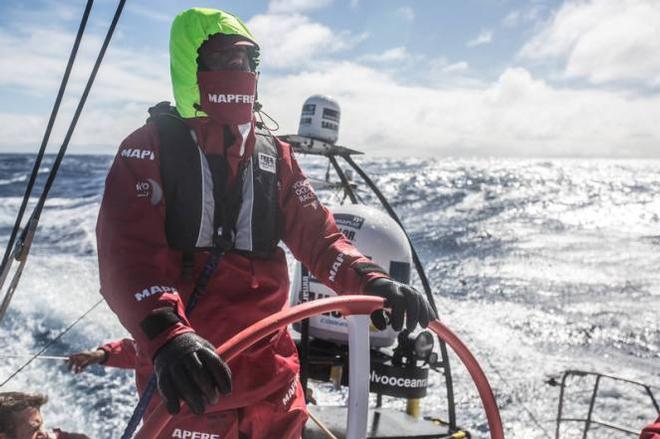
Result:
x=138 y=153
x=153 y=290
x=218 y=98
x=187 y=434
x=290 y=392
x=334 y=268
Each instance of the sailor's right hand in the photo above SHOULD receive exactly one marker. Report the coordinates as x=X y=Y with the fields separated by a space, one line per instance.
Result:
x=188 y=369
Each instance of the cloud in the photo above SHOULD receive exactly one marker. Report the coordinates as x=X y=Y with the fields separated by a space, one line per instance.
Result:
x=21 y=129
x=35 y=56
x=517 y=17
x=516 y=115
x=407 y=13
x=443 y=72
x=100 y=128
x=289 y=6
x=46 y=11
x=39 y=51
x=127 y=74
x=511 y=19
x=34 y=59
x=460 y=66
x=150 y=13
x=293 y=40
x=388 y=56
x=602 y=41
x=484 y=37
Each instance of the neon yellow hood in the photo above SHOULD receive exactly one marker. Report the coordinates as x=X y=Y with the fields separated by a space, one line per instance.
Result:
x=189 y=30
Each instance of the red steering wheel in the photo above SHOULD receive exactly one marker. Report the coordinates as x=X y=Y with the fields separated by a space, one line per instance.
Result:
x=347 y=305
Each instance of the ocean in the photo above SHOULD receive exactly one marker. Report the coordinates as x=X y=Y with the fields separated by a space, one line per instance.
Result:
x=538 y=265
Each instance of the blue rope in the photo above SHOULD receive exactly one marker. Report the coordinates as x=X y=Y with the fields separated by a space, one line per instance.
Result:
x=140 y=408
x=200 y=289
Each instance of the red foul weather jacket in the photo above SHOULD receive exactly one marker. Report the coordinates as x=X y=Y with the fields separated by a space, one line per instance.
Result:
x=652 y=431
x=139 y=273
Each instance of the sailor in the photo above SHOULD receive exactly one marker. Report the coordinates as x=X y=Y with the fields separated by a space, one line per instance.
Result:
x=20 y=418
x=204 y=180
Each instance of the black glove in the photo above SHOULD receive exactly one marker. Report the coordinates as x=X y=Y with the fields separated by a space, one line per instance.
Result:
x=403 y=300
x=188 y=368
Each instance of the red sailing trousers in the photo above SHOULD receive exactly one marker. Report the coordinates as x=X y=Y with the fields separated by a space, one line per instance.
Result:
x=281 y=416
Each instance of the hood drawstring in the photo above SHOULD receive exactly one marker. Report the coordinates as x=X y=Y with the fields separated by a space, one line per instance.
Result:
x=261 y=123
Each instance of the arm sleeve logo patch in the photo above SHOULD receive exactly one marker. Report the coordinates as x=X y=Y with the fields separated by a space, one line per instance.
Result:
x=149 y=189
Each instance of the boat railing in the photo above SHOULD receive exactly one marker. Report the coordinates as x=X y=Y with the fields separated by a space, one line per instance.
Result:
x=590 y=419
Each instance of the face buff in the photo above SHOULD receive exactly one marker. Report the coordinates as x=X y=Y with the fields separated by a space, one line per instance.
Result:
x=227 y=96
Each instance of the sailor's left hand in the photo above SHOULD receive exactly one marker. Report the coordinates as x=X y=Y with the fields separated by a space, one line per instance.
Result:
x=403 y=301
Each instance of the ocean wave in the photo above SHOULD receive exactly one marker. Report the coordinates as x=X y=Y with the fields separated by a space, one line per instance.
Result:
x=539 y=264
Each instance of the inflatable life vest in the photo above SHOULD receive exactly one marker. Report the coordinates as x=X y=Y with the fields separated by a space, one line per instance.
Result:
x=378 y=237
x=200 y=212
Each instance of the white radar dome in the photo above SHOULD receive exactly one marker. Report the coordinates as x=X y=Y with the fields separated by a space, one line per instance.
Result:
x=378 y=237
x=319 y=119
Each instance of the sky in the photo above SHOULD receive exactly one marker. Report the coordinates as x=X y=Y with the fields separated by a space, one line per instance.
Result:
x=424 y=78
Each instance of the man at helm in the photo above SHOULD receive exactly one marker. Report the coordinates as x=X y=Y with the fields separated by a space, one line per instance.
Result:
x=203 y=179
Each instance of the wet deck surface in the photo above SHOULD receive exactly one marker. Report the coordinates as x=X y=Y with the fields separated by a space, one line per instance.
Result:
x=382 y=423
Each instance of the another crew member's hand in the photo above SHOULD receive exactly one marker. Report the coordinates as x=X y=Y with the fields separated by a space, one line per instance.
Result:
x=59 y=434
x=80 y=361
x=403 y=300
x=188 y=369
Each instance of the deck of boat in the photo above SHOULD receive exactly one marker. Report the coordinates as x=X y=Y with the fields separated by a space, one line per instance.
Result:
x=382 y=423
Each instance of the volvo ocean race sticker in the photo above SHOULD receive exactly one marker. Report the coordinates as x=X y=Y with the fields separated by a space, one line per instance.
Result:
x=267 y=163
x=400 y=382
x=305 y=193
